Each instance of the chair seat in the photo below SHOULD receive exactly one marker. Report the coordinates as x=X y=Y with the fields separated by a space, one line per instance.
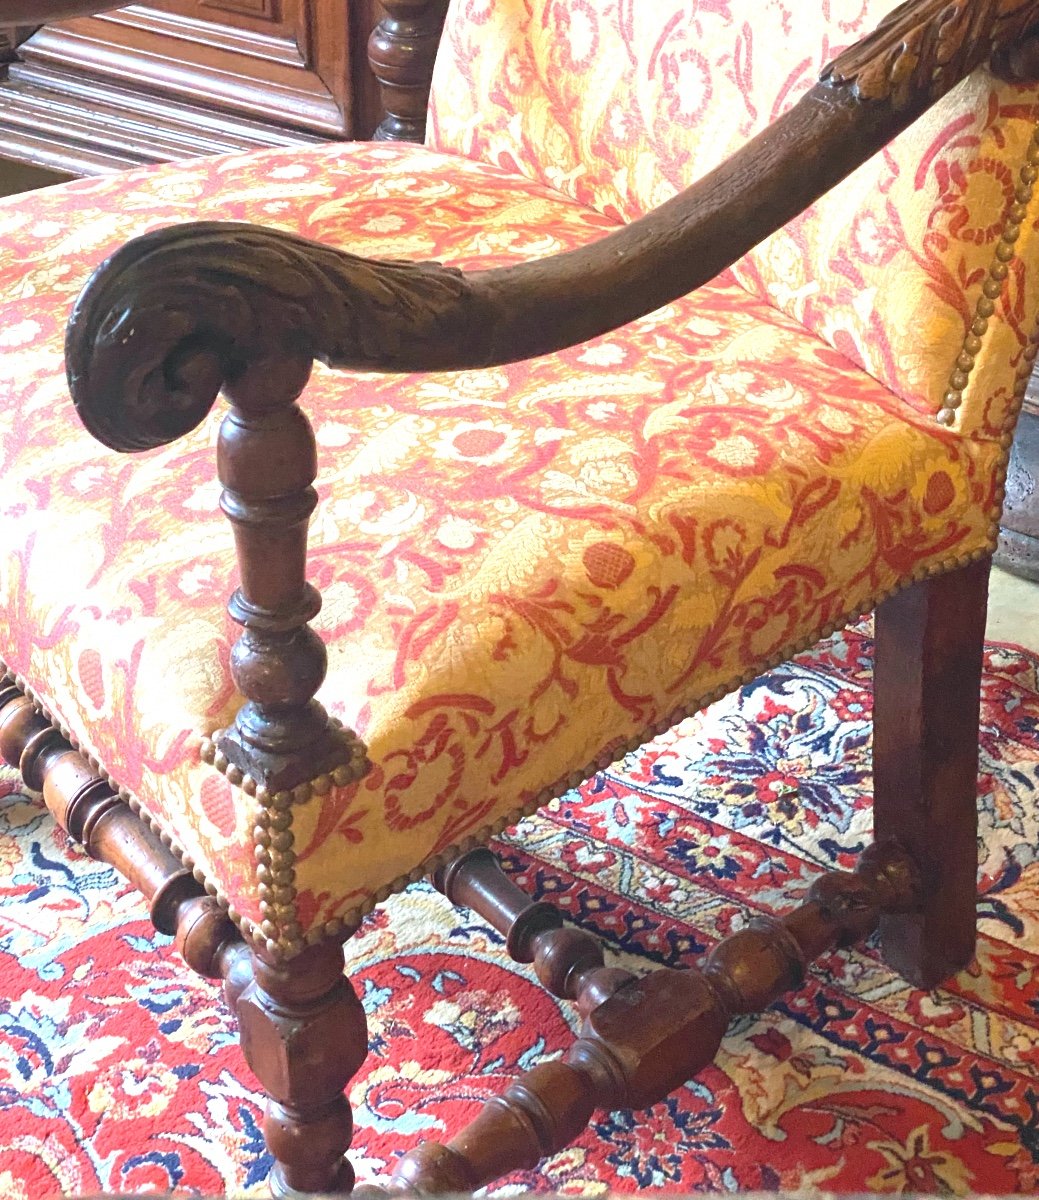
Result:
x=525 y=571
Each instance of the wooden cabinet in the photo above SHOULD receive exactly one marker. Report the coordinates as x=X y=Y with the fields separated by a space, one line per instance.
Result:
x=176 y=78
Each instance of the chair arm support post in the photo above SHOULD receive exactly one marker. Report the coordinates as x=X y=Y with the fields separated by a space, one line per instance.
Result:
x=267 y=462
x=190 y=342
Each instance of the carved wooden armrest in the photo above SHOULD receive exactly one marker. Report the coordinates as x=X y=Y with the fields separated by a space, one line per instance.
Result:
x=178 y=314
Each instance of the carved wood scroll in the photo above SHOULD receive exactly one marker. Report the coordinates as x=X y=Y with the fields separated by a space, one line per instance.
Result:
x=178 y=314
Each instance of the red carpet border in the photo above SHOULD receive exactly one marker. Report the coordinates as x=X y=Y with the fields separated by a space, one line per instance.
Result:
x=119 y=1070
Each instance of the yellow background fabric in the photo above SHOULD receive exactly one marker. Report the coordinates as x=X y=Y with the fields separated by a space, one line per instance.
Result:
x=621 y=105
x=522 y=568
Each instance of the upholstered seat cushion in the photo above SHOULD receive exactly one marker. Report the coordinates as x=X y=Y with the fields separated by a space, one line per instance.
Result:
x=520 y=567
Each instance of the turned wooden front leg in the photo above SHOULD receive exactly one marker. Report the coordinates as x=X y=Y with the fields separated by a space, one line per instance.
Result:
x=927 y=689
x=304 y=1035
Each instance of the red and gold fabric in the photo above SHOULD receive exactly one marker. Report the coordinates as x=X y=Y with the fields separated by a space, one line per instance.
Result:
x=519 y=566
x=621 y=105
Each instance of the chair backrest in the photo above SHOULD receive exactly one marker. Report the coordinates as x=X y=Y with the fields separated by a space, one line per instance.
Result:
x=621 y=103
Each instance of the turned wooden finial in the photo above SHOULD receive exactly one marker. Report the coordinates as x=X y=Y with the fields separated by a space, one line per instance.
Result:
x=401 y=51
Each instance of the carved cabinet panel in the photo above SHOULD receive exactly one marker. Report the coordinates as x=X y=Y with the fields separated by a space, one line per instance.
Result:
x=173 y=78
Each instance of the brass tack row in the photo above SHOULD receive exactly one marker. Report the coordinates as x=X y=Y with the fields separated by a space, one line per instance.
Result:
x=992 y=288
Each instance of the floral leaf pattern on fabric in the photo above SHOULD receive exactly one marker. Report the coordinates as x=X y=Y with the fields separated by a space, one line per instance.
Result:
x=519 y=566
x=621 y=105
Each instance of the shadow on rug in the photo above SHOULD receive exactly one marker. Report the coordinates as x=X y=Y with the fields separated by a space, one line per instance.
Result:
x=119 y=1071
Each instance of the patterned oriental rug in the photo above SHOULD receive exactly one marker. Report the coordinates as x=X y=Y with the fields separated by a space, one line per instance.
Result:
x=119 y=1071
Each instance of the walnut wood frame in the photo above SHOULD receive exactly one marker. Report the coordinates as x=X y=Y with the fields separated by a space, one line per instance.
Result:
x=150 y=347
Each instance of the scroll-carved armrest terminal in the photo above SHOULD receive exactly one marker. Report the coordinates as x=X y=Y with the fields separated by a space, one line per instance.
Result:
x=179 y=314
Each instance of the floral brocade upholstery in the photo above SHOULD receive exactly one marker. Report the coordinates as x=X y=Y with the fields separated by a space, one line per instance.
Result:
x=520 y=566
x=621 y=104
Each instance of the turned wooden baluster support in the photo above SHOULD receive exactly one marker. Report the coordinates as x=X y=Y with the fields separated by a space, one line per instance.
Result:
x=644 y=1037
x=401 y=51
x=267 y=462
x=568 y=961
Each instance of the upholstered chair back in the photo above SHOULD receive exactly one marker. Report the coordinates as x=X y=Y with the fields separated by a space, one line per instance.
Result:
x=918 y=267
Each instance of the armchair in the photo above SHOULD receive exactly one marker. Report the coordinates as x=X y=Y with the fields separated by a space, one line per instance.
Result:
x=696 y=359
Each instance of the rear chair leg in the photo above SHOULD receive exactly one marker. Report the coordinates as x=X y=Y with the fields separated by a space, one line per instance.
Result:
x=927 y=690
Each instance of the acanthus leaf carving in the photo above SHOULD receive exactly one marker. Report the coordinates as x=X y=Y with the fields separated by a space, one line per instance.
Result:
x=923 y=47
x=178 y=312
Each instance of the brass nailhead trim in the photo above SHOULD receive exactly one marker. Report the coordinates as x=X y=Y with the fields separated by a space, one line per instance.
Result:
x=992 y=288
x=273 y=848
x=276 y=859
x=340 y=928
x=279 y=931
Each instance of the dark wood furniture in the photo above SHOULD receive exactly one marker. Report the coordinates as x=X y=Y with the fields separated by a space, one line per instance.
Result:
x=302 y=1027
x=176 y=78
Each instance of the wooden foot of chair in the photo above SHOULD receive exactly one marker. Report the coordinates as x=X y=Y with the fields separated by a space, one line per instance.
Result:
x=304 y=1035
x=927 y=688
x=641 y=1038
